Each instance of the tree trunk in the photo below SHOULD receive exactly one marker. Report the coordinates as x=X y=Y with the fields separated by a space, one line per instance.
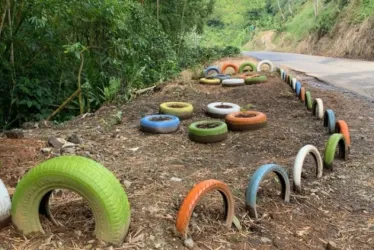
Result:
x=280 y=10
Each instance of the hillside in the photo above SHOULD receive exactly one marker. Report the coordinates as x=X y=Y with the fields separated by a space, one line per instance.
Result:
x=338 y=28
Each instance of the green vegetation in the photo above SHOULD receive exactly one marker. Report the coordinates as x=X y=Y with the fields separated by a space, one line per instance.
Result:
x=93 y=52
x=236 y=22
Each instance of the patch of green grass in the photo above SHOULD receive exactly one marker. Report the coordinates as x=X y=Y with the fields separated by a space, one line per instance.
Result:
x=302 y=23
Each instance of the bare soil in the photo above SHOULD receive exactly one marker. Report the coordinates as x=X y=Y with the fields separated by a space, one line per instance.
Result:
x=160 y=119
x=208 y=125
x=338 y=207
x=224 y=106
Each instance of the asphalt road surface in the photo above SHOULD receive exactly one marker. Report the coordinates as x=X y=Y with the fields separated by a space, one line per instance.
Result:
x=353 y=75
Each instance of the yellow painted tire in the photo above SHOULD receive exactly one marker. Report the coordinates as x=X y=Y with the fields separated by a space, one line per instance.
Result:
x=182 y=110
x=210 y=81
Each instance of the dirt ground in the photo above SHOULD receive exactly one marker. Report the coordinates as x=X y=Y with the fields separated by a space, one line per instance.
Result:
x=339 y=208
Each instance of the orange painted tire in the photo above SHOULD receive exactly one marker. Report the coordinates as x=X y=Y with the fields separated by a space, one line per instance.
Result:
x=248 y=120
x=302 y=94
x=194 y=196
x=229 y=65
x=342 y=127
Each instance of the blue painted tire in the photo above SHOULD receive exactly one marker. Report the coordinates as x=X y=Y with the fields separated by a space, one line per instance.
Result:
x=254 y=183
x=161 y=126
x=298 y=88
x=220 y=76
x=211 y=68
x=329 y=120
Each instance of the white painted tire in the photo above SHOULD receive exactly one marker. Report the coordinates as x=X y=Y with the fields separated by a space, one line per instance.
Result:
x=268 y=62
x=281 y=73
x=233 y=82
x=317 y=108
x=299 y=161
x=5 y=204
x=215 y=112
x=293 y=82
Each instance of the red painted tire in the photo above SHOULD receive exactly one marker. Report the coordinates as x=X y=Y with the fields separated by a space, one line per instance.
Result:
x=302 y=94
x=194 y=196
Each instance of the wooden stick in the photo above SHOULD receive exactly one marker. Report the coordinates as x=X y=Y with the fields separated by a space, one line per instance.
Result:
x=79 y=84
x=77 y=92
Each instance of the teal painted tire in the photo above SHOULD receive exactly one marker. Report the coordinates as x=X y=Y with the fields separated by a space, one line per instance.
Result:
x=336 y=140
x=96 y=184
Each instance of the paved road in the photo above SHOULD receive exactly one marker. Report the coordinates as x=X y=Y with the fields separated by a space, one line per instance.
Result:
x=354 y=75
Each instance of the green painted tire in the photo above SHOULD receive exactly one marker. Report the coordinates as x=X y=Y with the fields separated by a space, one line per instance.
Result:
x=96 y=184
x=334 y=141
x=241 y=68
x=254 y=80
x=216 y=133
x=308 y=100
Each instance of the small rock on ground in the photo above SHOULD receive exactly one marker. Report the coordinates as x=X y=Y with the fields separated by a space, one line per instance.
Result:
x=74 y=138
x=331 y=246
x=189 y=243
x=56 y=142
x=14 y=134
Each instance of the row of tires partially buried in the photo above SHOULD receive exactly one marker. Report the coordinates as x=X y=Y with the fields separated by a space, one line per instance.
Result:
x=241 y=76
x=339 y=139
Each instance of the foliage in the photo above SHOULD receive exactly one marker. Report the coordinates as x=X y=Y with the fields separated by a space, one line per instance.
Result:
x=48 y=48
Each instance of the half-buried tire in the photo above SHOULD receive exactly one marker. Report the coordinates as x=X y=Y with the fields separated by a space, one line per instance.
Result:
x=159 y=124
x=96 y=184
x=336 y=141
x=208 y=131
x=255 y=79
x=182 y=110
x=210 y=81
x=221 y=109
x=248 y=120
x=5 y=205
x=247 y=64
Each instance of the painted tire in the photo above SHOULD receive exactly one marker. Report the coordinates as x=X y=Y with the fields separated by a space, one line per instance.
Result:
x=299 y=161
x=210 y=81
x=182 y=110
x=334 y=141
x=317 y=109
x=254 y=80
x=302 y=94
x=208 y=135
x=91 y=180
x=161 y=126
x=248 y=120
x=229 y=65
x=247 y=64
x=298 y=88
x=281 y=73
x=254 y=183
x=234 y=82
x=342 y=127
x=267 y=62
x=211 y=68
x=5 y=205
x=214 y=110
x=194 y=196
x=294 y=86
x=289 y=81
x=220 y=77
x=308 y=100
x=293 y=83
x=329 y=120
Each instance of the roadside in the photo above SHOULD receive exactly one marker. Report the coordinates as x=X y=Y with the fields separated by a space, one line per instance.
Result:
x=338 y=208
